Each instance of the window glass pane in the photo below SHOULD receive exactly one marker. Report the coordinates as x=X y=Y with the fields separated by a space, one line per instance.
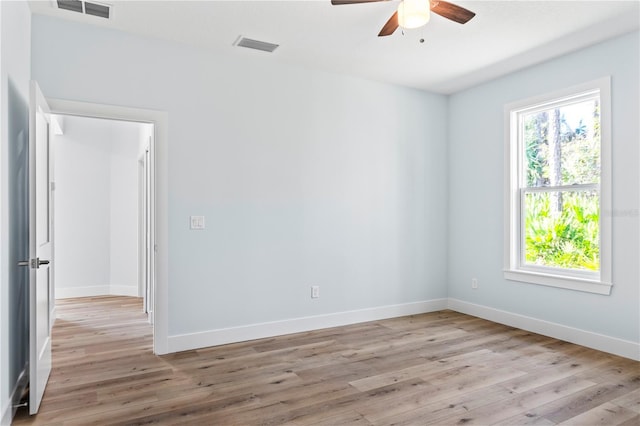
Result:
x=561 y=229
x=562 y=145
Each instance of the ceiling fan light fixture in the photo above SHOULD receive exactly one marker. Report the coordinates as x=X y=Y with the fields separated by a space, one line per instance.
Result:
x=414 y=13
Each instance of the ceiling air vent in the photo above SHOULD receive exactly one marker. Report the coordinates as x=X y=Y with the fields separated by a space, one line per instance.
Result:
x=255 y=44
x=86 y=7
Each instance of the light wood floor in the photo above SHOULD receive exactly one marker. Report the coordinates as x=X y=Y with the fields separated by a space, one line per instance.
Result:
x=442 y=368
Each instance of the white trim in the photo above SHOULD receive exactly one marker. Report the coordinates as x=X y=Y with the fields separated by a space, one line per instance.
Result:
x=513 y=270
x=223 y=336
x=570 y=283
x=606 y=185
x=159 y=193
x=613 y=345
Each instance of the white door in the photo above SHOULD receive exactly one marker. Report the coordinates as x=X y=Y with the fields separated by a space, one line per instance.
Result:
x=41 y=300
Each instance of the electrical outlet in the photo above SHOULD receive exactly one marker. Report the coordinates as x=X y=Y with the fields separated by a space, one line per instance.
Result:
x=474 y=283
x=315 y=291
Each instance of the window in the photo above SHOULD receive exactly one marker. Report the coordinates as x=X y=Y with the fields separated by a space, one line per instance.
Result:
x=558 y=189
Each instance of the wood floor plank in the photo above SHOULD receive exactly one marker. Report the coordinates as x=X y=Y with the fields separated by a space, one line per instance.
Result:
x=519 y=403
x=526 y=419
x=438 y=368
x=630 y=400
x=607 y=414
x=574 y=405
x=634 y=421
x=423 y=369
x=432 y=408
x=548 y=375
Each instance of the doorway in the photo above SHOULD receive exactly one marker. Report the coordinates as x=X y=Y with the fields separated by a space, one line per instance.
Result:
x=103 y=207
x=157 y=201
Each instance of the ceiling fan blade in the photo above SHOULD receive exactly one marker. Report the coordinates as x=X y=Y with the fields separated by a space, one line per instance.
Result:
x=390 y=26
x=451 y=11
x=339 y=2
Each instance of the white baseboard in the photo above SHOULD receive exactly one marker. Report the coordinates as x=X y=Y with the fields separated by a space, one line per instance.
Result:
x=613 y=345
x=223 y=336
x=96 y=290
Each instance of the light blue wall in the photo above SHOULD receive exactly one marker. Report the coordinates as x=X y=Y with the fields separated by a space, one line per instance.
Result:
x=379 y=194
x=476 y=203
x=305 y=177
x=15 y=37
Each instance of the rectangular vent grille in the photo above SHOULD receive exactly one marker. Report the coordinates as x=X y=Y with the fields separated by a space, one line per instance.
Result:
x=96 y=10
x=72 y=5
x=256 y=44
x=86 y=8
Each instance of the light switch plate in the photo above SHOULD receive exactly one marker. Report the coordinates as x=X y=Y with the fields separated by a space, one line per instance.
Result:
x=315 y=291
x=197 y=222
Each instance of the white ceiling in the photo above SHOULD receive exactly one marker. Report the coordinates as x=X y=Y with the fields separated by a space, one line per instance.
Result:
x=503 y=37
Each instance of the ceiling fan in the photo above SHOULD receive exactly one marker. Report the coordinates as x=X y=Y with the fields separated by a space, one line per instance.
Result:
x=416 y=13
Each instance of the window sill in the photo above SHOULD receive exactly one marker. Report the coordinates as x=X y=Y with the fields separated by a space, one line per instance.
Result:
x=570 y=283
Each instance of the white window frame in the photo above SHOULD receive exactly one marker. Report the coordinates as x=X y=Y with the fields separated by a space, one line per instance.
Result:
x=515 y=268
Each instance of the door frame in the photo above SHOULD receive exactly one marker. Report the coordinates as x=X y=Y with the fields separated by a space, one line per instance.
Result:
x=159 y=199
x=144 y=233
